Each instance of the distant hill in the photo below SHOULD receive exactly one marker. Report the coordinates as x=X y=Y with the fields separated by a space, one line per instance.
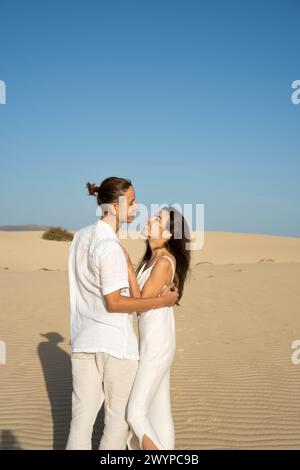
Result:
x=23 y=228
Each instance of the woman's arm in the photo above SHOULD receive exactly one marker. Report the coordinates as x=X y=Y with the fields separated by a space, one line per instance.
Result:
x=133 y=284
x=161 y=274
x=151 y=295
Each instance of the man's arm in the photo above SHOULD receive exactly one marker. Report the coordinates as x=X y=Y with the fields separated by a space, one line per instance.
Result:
x=113 y=270
x=115 y=302
x=150 y=297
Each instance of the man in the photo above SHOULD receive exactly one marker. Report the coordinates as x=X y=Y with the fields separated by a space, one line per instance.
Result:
x=104 y=345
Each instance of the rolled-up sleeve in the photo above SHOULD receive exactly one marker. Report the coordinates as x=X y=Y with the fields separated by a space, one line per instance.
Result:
x=113 y=268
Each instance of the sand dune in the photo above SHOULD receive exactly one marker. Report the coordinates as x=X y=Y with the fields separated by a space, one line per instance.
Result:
x=27 y=251
x=233 y=383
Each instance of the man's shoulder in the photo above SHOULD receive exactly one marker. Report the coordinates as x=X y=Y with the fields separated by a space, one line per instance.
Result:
x=105 y=246
x=84 y=230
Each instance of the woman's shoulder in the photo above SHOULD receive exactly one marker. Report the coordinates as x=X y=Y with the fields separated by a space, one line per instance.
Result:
x=172 y=257
x=163 y=261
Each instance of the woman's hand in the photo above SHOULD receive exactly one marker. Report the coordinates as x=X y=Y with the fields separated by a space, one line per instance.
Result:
x=170 y=289
x=167 y=289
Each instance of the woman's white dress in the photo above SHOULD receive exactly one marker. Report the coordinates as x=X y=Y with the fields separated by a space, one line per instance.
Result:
x=149 y=407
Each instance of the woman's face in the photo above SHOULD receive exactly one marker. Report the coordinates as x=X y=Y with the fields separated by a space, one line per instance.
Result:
x=155 y=228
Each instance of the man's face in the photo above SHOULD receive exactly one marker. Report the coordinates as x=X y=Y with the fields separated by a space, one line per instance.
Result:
x=127 y=206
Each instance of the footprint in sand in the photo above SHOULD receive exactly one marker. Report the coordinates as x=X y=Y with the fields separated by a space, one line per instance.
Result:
x=203 y=262
x=266 y=260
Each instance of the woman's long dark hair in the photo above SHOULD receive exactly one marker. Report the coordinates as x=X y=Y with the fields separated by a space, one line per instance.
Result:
x=176 y=246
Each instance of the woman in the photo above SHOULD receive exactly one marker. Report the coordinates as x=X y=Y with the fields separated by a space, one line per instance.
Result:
x=166 y=259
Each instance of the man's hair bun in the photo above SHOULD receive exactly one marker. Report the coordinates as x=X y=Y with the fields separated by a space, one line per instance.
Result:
x=92 y=189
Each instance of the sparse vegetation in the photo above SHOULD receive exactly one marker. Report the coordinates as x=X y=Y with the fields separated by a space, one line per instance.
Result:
x=58 y=234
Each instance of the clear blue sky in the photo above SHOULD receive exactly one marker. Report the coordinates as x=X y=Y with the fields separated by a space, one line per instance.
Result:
x=189 y=99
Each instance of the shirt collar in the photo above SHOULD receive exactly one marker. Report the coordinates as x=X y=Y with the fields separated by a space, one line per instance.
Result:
x=106 y=229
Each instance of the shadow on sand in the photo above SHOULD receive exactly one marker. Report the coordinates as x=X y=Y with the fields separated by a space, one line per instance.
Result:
x=57 y=370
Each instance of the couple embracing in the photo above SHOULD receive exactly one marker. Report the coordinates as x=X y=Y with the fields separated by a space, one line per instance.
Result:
x=108 y=364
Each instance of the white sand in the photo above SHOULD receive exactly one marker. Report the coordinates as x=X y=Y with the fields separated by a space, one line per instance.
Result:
x=233 y=382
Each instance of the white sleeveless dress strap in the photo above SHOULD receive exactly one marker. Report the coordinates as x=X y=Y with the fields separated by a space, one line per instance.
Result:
x=172 y=262
x=142 y=270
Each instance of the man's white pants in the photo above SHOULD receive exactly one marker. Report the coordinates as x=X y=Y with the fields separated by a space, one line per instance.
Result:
x=97 y=378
